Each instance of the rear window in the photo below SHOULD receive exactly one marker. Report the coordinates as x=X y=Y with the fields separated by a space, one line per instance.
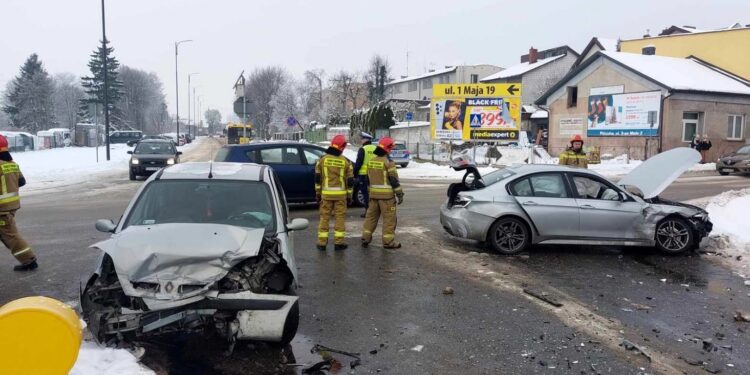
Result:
x=497 y=176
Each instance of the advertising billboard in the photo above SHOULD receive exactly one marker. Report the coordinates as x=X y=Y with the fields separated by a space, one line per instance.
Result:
x=624 y=115
x=484 y=112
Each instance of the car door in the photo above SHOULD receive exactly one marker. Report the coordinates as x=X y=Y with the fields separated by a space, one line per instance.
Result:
x=287 y=162
x=546 y=199
x=311 y=154
x=604 y=213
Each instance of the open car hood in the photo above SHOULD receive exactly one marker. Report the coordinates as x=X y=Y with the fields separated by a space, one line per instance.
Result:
x=196 y=254
x=658 y=172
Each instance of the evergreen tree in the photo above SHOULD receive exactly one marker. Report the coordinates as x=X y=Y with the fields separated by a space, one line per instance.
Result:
x=94 y=84
x=28 y=99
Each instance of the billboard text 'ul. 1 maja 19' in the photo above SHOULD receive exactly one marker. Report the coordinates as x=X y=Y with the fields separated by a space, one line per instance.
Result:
x=478 y=111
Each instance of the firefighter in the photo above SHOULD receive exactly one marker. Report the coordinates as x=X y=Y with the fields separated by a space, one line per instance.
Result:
x=385 y=194
x=574 y=155
x=10 y=201
x=364 y=155
x=334 y=179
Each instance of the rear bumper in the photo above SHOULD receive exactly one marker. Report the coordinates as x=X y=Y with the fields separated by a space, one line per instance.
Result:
x=460 y=222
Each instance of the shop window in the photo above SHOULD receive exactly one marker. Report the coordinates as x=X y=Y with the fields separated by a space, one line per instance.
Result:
x=735 y=127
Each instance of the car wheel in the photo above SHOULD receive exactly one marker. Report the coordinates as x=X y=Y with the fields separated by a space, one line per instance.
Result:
x=723 y=173
x=404 y=165
x=509 y=236
x=132 y=176
x=674 y=235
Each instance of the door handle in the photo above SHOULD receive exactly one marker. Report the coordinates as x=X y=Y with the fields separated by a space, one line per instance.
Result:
x=586 y=206
x=530 y=203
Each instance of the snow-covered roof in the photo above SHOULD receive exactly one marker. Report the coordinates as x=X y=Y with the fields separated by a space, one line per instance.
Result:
x=519 y=69
x=540 y=114
x=529 y=108
x=425 y=75
x=412 y=124
x=679 y=73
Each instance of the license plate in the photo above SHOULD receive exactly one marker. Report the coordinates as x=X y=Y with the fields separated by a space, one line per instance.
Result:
x=152 y=168
x=727 y=170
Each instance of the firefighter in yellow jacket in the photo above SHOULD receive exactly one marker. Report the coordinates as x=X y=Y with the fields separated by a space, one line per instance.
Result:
x=385 y=193
x=574 y=156
x=334 y=179
x=10 y=201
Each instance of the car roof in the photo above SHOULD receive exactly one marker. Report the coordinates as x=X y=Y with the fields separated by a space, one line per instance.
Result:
x=155 y=140
x=535 y=168
x=273 y=143
x=217 y=171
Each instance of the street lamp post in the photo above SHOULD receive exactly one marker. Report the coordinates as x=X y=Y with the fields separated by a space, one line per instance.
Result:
x=177 y=87
x=194 y=108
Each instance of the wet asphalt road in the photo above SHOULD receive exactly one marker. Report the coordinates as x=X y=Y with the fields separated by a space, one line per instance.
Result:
x=387 y=304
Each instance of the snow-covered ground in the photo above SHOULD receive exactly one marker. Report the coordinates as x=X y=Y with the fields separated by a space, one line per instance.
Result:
x=730 y=237
x=54 y=168
x=95 y=360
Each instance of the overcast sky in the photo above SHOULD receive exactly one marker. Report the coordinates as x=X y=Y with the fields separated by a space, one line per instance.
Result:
x=231 y=36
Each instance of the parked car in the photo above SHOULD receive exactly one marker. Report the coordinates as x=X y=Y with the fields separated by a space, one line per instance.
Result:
x=124 y=136
x=400 y=154
x=738 y=161
x=201 y=246
x=294 y=163
x=132 y=143
x=515 y=207
x=152 y=155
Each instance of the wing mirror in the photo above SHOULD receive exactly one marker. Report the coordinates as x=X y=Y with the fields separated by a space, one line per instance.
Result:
x=130 y=152
x=105 y=226
x=179 y=152
x=298 y=224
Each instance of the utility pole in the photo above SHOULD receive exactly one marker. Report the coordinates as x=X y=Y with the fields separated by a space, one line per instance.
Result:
x=176 y=87
x=190 y=75
x=106 y=82
x=194 y=107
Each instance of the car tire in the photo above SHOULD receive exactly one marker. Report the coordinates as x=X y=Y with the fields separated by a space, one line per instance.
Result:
x=674 y=235
x=404 y=165
x=499 y=240
x=133 y=176
x=724 y=173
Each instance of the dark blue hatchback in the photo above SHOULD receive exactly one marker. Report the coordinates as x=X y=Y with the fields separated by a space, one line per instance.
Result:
x=293 y=162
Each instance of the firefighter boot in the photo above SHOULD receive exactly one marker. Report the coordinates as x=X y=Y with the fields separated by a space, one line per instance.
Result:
x=30 y=266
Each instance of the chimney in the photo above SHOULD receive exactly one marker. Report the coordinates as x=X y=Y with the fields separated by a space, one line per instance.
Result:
x=431 y=71
x=533 y=55
x=649 y=50
x=648 y=34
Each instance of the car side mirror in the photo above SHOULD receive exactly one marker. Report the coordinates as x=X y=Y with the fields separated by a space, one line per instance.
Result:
x=105 y=226
x=179 y=152
x=130 y=152
x=298 y=224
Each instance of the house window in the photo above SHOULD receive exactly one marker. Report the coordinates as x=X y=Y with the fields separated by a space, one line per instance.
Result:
x=427 y=83
x=412 y=86
x=691 y=126
x=735 y=127
x=572 y=96
x=398 y=89
x=444 y=79
x=474 y=78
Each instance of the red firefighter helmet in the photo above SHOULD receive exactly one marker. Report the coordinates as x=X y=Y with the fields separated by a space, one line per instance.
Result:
x=576 y=138
x=3 y=143
x=339 y=142
x=386 y=143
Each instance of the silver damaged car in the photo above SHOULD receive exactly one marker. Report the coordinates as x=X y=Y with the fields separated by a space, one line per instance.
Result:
x=513 y=208
x=201 y=246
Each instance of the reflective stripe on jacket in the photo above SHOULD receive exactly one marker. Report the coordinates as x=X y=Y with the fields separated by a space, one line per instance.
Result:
x=369 y=151
x=9 y=175
x=333 y=177
x=384 y=183
x=573 y=159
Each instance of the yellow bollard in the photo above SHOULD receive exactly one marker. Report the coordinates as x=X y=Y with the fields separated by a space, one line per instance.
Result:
x=38 y=335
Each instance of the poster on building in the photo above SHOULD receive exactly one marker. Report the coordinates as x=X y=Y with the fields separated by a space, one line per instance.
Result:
x=631 y=114
x=571 y=126
x=486 y=112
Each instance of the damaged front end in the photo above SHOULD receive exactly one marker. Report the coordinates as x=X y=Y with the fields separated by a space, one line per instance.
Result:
x=250 y=298
x=697 y=217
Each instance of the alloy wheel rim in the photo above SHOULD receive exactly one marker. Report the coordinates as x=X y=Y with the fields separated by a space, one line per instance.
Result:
x=510 y=236
x=673 y=235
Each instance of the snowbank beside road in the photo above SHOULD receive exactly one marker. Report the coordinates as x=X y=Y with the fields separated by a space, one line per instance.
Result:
x=730 y=237
x=95 y=360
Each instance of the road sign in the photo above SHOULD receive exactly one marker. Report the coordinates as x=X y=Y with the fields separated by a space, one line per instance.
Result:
x=291 y=121
x=409 y=116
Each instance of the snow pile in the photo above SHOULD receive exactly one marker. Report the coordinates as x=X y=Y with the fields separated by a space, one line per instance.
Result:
x=417 y=170
x=94 y=360
x=730 y=237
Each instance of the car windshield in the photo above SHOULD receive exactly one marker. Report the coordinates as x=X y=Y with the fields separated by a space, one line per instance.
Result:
x=496 y=176
x=240 y=203
x=744 y=150
x=155 y=148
